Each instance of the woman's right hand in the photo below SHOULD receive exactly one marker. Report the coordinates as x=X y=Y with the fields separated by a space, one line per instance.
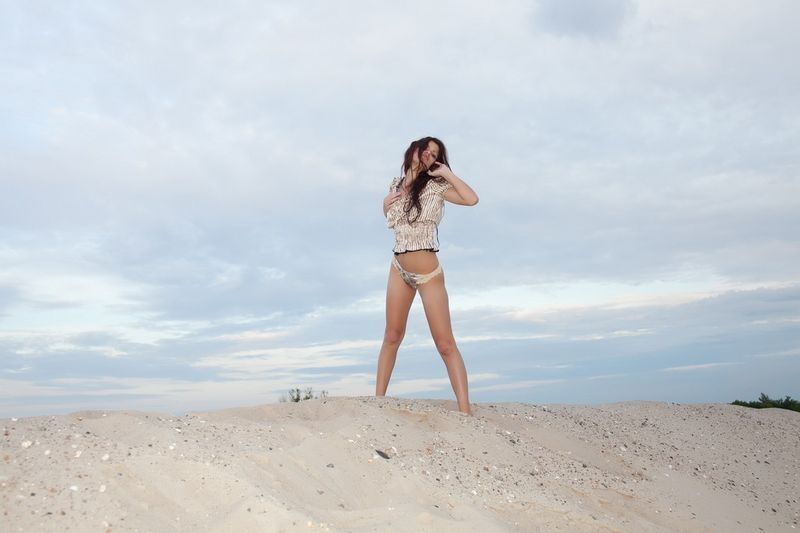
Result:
x=391 y=198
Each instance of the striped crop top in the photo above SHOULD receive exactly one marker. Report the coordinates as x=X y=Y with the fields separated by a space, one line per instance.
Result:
x=423 y=233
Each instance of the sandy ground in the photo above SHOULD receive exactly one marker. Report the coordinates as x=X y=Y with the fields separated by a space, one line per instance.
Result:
x=386 y=464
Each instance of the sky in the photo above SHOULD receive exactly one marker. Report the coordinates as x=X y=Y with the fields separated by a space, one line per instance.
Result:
x=191 y=199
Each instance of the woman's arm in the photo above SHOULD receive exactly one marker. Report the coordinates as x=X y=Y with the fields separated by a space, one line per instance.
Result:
x=461 y=193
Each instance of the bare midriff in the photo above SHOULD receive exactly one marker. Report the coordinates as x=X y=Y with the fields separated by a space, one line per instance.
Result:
x=418 y=262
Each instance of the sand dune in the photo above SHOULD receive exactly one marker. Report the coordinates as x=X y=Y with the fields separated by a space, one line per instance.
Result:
x=387 y=464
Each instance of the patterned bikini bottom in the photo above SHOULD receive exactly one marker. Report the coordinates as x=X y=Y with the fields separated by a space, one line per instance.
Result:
x=413 y=279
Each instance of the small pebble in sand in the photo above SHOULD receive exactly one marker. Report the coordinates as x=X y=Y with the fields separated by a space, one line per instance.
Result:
x=26 y=444
x=102 y=488
x=78 y=454
x=104 y=458
x=47 y=452
x=73 y=488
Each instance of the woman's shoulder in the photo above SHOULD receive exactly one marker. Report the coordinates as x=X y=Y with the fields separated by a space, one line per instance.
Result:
x=438 y=185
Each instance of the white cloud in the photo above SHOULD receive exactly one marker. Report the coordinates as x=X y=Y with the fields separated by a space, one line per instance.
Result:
x=19 y=370
x=419 y=385
x=702 y=366
x=606 y=376
x=289 y=358
x=780 y=353
x=172 y=395
x=531 y=383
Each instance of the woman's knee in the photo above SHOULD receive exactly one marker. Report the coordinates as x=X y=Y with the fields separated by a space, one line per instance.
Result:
x=393 y=335
x=446 y=347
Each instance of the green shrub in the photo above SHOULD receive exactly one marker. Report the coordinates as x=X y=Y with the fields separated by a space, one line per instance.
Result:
x=295 y=395
x=766 y=401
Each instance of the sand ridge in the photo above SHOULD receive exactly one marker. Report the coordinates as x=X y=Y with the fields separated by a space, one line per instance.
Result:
x=388 y=464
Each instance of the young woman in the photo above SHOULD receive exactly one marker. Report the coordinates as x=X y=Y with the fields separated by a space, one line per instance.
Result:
x=413 y=209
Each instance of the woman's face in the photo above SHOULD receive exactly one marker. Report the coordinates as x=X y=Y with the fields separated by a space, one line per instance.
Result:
x=429 y=155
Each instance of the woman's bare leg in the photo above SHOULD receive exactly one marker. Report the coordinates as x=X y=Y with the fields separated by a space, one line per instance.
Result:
x=399 y=297
x=437 y=311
